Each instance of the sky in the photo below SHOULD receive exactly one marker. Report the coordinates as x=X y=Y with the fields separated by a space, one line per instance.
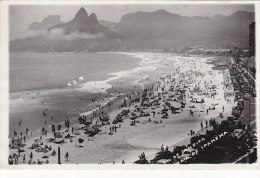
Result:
x=20 y=16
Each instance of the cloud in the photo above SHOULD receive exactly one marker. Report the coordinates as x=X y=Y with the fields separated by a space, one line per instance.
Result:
x=58 y=34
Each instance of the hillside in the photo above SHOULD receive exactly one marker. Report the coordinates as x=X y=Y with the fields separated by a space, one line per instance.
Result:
x=137 y=31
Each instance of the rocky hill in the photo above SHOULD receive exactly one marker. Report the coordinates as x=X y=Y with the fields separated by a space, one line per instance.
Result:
x=136 y=31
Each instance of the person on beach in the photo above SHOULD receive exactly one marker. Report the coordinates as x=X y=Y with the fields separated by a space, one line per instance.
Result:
x=26 y=132
x=20 y=122
x=43 y=131
x=16 y=160
x=53 y=128
x=59 y=127
x=39 y=162
x=24 y=158
x=53 y=153
x=10 y=159
x=31 y=156
x=201 y=125
x=191 y=132
x=162 y=147
x=19 y=152
x=141 y=156
x=67 y=156
x=123 y=162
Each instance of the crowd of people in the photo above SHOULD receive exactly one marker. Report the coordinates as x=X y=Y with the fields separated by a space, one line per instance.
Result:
x=189 y=88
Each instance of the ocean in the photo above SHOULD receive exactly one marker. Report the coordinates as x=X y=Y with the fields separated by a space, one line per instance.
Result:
x=60 y=83
x=39 y=71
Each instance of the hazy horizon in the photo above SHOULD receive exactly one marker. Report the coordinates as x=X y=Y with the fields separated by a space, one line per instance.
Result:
x=20 y=17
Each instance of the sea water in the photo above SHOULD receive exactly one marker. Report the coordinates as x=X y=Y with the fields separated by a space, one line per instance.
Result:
x=57 y=82
x=39 y=71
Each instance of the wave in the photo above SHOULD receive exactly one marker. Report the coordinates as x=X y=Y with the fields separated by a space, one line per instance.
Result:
x=137 y=73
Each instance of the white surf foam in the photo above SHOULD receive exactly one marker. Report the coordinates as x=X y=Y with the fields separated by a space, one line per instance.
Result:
x=147 y=64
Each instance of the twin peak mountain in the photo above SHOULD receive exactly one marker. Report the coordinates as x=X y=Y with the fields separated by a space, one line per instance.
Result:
x=81 y=23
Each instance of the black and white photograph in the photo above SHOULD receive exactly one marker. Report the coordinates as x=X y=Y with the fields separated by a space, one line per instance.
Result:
x=130 y=84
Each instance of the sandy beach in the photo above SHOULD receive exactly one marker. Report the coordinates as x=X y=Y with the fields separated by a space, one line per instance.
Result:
x=163 y=75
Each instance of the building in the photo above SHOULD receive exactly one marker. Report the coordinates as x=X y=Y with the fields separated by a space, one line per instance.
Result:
x=252 y=39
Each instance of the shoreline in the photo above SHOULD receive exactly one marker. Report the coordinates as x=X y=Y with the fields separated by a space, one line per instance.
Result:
x=38 y=97
x=144 y=130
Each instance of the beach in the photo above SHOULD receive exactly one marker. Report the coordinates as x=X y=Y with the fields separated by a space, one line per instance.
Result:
x=162 y=75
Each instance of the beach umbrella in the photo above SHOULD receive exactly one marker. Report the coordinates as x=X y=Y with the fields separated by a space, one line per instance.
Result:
x=81 y=140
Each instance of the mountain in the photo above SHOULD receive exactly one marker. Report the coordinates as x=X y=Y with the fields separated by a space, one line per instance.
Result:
x=82 y=23
x=82 y=33
x=161 y=29
x=46 y=23
x=156 y=30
